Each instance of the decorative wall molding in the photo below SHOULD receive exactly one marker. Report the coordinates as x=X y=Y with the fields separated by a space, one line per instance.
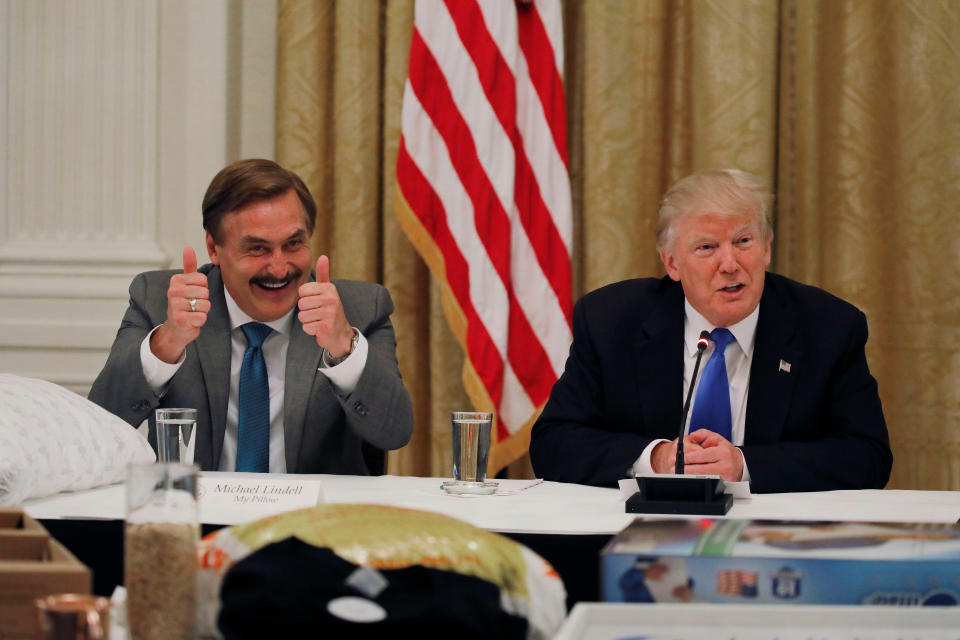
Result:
x=81 y=133
x=114 y=116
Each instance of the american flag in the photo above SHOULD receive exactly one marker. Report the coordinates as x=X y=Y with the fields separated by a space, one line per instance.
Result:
x=485 y=196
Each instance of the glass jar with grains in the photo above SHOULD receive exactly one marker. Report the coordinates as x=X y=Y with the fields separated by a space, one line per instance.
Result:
x=160 y=542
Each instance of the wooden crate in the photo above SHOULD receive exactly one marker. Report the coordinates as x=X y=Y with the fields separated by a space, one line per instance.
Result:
x=32 y=564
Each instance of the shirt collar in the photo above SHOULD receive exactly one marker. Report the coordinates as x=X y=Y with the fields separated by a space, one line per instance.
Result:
x=744 y=331
x=238 y=318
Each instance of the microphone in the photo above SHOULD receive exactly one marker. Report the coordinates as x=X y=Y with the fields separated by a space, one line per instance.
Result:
x=701 y=347
x=676 y=493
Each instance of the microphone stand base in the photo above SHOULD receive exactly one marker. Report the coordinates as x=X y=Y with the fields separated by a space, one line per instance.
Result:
x=680 y=495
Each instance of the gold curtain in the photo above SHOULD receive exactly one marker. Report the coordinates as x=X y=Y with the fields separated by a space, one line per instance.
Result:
x=849 y=108
x=340 y=73
x=869 y=188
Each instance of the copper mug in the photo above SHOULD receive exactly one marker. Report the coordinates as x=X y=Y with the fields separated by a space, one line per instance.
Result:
x=71 y=616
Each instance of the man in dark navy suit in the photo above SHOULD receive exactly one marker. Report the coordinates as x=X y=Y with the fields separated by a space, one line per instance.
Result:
x=796 y=408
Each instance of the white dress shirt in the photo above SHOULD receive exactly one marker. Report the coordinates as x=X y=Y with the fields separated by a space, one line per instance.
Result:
x=738 y=356
x=343 y=376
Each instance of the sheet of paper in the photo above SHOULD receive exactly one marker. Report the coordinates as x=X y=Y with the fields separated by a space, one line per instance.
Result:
x=504 y=488
x=510 y=487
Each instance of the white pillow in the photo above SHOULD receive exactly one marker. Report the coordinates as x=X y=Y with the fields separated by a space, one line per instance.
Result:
x=53 y=440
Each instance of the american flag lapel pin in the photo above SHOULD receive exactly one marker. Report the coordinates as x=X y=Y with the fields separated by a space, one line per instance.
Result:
x=784 y=366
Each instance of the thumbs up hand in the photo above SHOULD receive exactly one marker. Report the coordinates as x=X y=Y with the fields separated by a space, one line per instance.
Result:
x=323 y=269
x=321 y=313
x=188 y=301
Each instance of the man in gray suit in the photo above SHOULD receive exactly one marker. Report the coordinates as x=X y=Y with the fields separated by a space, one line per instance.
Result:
x=276 y=390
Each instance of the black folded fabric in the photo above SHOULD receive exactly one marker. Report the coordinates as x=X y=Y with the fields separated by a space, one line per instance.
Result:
x=291 y=589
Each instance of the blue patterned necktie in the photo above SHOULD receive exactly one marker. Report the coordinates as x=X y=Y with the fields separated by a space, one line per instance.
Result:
x=253 y=439
x=711 y=409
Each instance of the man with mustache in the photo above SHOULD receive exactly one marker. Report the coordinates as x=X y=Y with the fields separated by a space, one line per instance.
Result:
x=289 y=372
x=784 y=398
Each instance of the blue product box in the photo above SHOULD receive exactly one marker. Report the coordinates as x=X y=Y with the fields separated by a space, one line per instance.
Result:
x=782 y=562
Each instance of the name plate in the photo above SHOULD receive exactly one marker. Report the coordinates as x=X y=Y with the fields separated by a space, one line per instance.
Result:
x=234 y=500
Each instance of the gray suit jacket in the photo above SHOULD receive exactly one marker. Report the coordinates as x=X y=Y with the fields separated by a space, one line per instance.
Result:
x=323 y=430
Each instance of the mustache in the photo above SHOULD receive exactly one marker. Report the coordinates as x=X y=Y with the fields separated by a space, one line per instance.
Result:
x=291 y=275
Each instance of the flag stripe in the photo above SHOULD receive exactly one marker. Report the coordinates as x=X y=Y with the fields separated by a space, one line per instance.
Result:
x=548 y=166
x=524 y=349
x=552 y=255
x=454 y=67
x=538 y=51
x=550 y=13
x=424 y=202
x=528 y=357
x=516 y=407
x=482 y=287
x=485 y=197
x=550 y=317
x=494 y=74
x=489 y=217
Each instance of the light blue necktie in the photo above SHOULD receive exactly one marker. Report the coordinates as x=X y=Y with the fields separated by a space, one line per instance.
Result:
x=711 y=409
x=253 y=439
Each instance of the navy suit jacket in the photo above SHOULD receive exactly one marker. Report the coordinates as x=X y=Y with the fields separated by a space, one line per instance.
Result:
x=816 y=427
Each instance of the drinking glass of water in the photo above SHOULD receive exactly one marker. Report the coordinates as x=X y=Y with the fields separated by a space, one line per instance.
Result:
x=471 y=448
x=176 y=429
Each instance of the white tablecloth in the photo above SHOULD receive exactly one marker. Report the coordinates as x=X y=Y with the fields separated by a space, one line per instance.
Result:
x=548 y=507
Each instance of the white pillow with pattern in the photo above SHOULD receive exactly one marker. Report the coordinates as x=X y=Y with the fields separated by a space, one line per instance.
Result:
x=53 y=440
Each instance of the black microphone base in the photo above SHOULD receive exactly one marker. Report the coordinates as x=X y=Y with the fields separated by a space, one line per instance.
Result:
x=681 y=495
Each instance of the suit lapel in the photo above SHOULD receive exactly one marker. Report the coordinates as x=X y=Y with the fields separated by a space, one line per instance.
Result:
x=213 y=350
x=658 y=357
x=303 y=359
x=771 y=387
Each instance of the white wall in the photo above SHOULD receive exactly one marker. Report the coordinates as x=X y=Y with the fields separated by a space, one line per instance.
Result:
x=114 y=116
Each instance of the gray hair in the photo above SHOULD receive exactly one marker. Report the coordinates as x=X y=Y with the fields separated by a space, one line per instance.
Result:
x=723 y=191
